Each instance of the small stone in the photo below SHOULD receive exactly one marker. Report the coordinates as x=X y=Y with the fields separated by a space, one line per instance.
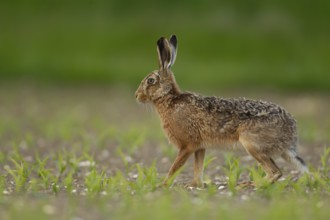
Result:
x=165 y=160
x=5 y=192
x=128 y=159
x=294 y=172
x=282 y=179
x=190 y=188
x=86 y=163
x=133 y=175
x=221 y=187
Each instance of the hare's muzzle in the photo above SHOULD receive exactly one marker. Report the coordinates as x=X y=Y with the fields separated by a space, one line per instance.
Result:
x=138 y=95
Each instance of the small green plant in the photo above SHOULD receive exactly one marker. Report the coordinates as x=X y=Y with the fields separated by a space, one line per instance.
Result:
x=171 y=180
x=55 y=187
x=42 y=172
x=258 y=177
x=208 y=160
x=49 y=179
x=73 y=161
x=20 y=174
x=68 y=182
x=147 y=177
x=233 y=171
x=90 y=159
x=34 y=185
x=15 y=152
x=117 y=183
x=314 y=181
x=95 y=181
x=325 y=157
x=124 y=158
x=61 y=164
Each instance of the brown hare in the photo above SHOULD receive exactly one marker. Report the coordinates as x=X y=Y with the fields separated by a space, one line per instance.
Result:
x=194 y=123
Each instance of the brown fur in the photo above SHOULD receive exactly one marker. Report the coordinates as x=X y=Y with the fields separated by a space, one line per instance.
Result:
x=194 y=123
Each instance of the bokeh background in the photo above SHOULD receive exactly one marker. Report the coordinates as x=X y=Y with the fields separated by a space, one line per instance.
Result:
x=228 y=44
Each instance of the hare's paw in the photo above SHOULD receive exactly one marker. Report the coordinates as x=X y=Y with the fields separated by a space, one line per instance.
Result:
x=194 y=185
x=164 y=184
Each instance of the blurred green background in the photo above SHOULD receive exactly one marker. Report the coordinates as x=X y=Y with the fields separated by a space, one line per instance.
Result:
x=225 y=44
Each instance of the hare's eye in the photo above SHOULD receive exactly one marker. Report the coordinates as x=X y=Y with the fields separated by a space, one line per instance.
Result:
x=151 y=81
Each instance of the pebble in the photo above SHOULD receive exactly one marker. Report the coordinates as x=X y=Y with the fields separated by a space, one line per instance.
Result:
x=221 y=187
x=5 y=192
x=86 y=163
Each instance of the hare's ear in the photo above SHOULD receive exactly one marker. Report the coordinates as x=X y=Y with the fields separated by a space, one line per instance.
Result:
x=173 y=46
x=164 y=53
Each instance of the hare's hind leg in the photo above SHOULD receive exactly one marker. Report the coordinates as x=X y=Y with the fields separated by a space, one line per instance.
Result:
x=290 y=156
x=273 y=173
x=198 y=168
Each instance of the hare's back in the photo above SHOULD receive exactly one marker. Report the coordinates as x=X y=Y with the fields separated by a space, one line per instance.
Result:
x=256 y=120
x=242 y=109
x=236 y=112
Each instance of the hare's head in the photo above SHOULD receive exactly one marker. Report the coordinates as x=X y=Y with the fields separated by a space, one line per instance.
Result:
x=161 y=82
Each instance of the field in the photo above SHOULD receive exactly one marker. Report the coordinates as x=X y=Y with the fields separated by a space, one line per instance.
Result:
x=94 y=153
x=74 y=143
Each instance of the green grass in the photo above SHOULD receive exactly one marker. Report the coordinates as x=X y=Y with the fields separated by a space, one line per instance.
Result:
x=117 y=196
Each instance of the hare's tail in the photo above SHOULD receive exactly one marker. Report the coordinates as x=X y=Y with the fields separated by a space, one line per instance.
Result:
x=291 y=157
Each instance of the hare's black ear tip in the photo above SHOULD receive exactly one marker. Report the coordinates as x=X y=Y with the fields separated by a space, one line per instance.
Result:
x=160 y=40
x=173 y=40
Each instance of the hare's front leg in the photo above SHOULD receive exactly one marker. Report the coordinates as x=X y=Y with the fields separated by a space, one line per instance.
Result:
x=198 y=168
x=180 y=160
